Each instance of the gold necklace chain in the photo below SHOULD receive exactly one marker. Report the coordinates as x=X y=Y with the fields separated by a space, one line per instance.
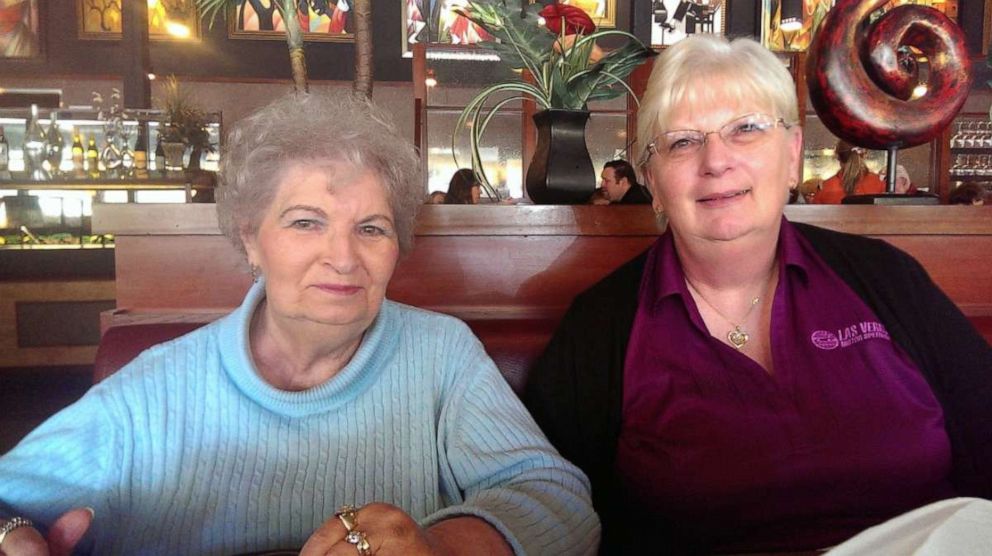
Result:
x=737 y=336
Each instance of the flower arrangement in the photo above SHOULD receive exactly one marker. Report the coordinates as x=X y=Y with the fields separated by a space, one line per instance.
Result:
x=184 y=122
x=556 y=44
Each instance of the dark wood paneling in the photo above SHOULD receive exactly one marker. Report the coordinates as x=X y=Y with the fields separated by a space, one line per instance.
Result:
x=20 y=265
x=529 y=262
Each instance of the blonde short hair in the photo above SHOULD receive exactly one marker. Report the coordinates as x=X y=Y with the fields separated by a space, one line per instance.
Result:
x=707 y=68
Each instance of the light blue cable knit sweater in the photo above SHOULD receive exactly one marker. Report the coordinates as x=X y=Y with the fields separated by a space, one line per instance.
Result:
x=188 y=451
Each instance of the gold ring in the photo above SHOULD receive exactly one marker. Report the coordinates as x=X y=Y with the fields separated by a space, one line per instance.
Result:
x=360 y=541
x=348 y=515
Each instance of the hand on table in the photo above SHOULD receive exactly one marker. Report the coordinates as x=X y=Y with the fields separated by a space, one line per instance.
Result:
x=63 y=536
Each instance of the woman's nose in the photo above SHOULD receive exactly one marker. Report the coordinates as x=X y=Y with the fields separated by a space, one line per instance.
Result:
x=340 y=252
x=715 y=156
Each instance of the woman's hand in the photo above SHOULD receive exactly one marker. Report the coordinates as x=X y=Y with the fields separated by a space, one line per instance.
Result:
x=390 y=531
x=63 y=536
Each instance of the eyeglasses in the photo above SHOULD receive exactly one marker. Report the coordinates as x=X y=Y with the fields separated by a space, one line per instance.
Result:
x=682 y=144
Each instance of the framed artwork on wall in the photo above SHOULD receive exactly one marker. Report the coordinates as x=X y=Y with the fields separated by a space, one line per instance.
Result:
x=602 y=12
x=674 y=20
x=19 y=29
x=807 y=15
x=322 y=21
x=167 y=19
x=435 y=22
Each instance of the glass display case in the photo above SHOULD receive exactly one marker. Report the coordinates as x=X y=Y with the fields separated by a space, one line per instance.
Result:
x=53 y=207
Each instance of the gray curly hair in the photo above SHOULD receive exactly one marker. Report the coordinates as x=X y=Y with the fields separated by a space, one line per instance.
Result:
x=313 y=129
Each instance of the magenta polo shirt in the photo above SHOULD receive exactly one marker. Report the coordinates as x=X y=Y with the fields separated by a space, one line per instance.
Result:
x=847 y=433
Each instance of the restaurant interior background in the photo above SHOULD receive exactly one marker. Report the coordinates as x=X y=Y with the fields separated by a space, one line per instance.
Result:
x=51 y=295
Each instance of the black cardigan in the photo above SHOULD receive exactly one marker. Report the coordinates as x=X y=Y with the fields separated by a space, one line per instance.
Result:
x=575 y=390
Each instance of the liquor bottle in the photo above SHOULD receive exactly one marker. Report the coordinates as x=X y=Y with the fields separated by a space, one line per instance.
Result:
x=4 y=151
x=34 y=147
x=141 y=151
x=55 y=145
x=159 y=153
x=78 y=166
x=92 y=158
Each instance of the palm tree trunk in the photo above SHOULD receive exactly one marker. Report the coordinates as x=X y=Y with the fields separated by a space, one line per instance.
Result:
x=363 y=47
x=294 y=38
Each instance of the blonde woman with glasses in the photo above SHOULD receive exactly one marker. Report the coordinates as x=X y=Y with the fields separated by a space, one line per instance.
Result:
x=749 y=384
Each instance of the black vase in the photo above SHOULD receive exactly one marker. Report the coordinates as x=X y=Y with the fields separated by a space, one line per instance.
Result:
x=561 y=171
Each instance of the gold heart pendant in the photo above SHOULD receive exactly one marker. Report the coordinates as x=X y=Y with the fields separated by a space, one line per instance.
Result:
x=737 y=337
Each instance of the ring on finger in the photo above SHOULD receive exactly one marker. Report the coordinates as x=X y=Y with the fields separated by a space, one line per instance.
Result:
x=360 y=541
x=348 y=515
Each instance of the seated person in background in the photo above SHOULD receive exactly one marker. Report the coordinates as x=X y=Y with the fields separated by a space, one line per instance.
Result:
x=904 y=185
x=463 y=189
x=436 y=198
x=619 y=184
x=853 y=178
x=247 y=434
x=967 y=194
x=598 y=197
x=749 y=384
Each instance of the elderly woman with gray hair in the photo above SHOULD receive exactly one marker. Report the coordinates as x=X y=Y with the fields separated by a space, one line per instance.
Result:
x=318 y=414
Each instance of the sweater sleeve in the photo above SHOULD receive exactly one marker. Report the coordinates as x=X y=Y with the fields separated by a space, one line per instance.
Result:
x=67 y=462
x=497 y=465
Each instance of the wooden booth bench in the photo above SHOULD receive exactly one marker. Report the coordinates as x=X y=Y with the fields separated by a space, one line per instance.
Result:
x=510 y=272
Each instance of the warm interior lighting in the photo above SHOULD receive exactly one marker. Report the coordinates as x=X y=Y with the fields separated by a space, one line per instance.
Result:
x=151 y=76
x=919 y=91
x=177 y=30
x=430 y=80
x=790 y=25
x=791 y=16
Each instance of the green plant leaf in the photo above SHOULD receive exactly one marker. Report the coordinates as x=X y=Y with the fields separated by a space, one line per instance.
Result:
x=209 y=9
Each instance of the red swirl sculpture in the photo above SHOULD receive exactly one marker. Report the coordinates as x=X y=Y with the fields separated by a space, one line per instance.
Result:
x=860 y=85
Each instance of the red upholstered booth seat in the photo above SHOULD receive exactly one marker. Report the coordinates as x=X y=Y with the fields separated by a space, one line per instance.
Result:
x=513 y=344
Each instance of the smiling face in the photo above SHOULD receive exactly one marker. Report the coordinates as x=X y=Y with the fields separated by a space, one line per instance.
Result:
x=724 y=192
x=327 y=248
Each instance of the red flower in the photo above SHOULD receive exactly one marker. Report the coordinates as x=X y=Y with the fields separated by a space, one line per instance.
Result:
x=575 y=19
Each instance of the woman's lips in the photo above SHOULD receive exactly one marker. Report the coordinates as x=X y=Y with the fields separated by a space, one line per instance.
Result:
x=721 y=199
x=338 y=289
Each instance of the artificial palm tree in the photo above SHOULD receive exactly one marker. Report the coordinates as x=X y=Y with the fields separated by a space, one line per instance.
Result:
x=294 y=34
x=363 y=46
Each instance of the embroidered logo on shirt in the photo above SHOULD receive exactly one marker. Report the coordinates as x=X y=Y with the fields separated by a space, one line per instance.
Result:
x=848 y=335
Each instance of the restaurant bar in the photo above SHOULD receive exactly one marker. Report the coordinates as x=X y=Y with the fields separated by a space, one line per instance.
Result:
x=171 y=169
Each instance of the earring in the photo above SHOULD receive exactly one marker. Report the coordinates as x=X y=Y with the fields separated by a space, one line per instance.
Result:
x=661 y=217
x=255 y=272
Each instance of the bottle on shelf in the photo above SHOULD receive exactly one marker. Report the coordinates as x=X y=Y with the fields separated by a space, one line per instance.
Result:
x=141 y=152
x=35 y=149
x=55 y=144
x=92 y=158
x=4 y=151
x=159 y=152
x=78 y=154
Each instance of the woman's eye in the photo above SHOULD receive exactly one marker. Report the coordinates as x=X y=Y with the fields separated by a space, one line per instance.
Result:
x=681 y=144
x=304 y=224
x=746 y=128
x=371 y=230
